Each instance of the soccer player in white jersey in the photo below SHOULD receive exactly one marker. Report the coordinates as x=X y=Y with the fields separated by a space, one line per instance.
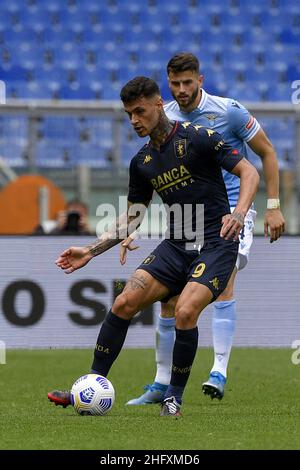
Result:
x=238 y=128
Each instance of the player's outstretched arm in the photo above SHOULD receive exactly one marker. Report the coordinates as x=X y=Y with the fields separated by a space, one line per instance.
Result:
x=76 y=257
x=274 y=220
x=233 y=223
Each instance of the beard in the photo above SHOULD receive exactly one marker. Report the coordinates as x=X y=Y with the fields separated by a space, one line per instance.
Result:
x=191 y=99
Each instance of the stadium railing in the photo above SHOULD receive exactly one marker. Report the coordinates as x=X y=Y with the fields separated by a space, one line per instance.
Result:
x=113 y=172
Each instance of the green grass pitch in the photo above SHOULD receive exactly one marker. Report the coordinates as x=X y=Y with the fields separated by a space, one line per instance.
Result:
x=260 y=410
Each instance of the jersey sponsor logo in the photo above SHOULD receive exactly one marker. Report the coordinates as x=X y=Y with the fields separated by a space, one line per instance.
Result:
x=250 y=123
x=149 y=259
x=215 y=282
x=170 y=178
x=147 y=159
x=180 y=148
x=210 y=132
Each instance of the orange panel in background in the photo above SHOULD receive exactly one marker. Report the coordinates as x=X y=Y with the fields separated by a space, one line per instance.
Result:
x=19 y=204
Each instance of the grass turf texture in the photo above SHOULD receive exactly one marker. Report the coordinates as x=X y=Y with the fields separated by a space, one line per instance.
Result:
x=260 y=409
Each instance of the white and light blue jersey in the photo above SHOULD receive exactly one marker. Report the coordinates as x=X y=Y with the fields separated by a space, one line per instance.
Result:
x=229 y=118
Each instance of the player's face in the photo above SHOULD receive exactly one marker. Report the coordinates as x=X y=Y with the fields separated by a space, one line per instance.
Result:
x=185 y=88
x=144 y=114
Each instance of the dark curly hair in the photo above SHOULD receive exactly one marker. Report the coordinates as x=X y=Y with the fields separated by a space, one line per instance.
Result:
x=139 y=87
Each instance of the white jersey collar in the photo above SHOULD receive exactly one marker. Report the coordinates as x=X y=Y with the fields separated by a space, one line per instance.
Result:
x=203 y=99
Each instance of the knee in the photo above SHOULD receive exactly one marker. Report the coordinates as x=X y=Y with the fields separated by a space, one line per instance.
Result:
x=124 y=306
x=186 y=318
x=168 y=309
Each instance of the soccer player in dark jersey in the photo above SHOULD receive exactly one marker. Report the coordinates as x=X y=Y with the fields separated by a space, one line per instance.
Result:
x=239 y=129
x=183 y=164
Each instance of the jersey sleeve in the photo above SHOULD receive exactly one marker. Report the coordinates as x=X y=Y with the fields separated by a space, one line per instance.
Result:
x=211 y=145
x=140 y=190
x=241 y=122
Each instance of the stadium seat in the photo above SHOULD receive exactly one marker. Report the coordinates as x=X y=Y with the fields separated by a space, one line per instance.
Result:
x=14 y=152
x=288 y=36
x=35 y=90
x=280 y=92
x=55 y=156
x=242 y=92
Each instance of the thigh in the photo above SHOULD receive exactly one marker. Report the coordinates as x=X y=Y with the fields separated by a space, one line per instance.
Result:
x=169 y=265
x=142 y=289
x=214 y=265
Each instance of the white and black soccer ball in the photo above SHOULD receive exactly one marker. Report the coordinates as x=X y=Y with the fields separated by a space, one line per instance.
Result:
x=92 y=394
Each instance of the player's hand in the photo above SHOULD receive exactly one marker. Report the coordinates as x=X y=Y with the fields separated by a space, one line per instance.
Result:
x=127 y=245
x=274 y=224
x=73 y=258
x=232 y=224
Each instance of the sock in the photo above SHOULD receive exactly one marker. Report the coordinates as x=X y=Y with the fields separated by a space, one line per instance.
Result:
x=185 y=349
x=109 y=343
x=223 y=326
x=165 y=336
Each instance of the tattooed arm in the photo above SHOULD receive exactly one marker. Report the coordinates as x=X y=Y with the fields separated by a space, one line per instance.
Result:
x=121 y=229
x=76 y=257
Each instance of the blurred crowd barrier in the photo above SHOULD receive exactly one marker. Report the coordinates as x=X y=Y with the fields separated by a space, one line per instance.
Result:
x=84 y=148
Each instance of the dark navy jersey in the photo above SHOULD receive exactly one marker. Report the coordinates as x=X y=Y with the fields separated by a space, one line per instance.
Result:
x=186 y=170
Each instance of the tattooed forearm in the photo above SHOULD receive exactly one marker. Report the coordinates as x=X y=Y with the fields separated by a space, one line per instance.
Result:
x=108 y=240
x=126 y=224
x=100 y=246
x=115 y=234
x=136 y=282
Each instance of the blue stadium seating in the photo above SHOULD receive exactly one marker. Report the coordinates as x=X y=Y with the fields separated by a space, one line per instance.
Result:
x=149 y=34
x=88 y=50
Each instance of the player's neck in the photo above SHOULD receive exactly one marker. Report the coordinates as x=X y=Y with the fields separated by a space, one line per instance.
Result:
x=161 y=131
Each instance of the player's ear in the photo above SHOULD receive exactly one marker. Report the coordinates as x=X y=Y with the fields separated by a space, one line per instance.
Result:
x=159 y=102
x=200 y=80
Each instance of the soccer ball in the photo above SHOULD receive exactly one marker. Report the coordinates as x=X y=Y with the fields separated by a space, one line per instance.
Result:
x=92 y=394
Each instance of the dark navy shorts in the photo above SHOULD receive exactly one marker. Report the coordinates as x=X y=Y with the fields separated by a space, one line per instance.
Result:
x=174 y=266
